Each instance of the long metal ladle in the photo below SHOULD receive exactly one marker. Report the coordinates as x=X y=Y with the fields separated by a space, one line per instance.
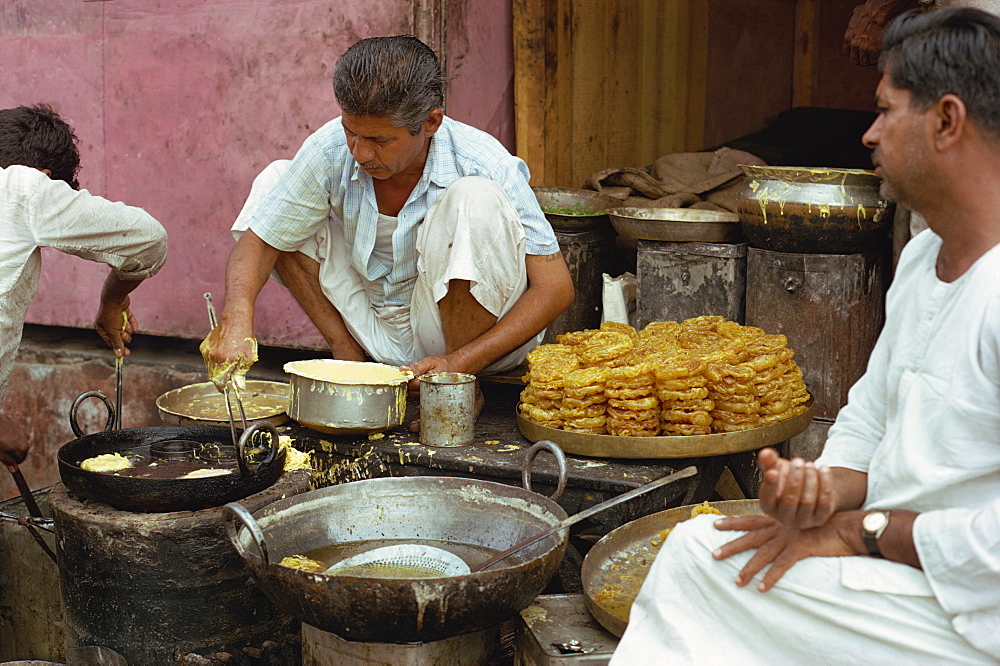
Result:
x=213 y=320
x=587 y=513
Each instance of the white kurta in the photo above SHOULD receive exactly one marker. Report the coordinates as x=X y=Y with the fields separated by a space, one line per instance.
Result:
x=924 y=424
x=37 y=212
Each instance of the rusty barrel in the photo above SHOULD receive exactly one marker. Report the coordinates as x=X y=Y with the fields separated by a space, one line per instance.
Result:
x=160 y=588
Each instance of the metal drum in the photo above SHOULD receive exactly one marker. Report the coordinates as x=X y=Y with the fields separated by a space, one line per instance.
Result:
x=813 y=210
x=156 y=587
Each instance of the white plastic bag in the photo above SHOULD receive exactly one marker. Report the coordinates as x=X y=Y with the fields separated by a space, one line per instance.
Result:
x=619 y=298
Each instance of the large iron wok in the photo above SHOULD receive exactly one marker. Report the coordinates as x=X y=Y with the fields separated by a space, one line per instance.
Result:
x=131 y=493
x=403 y=610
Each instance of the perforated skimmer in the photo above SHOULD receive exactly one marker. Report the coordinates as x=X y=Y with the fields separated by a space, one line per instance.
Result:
x=418 y=561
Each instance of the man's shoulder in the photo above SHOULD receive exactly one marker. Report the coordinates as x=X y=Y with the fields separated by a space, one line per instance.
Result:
x=27 y=185
x=474 y=151
x=24 y=177
x=463 y=132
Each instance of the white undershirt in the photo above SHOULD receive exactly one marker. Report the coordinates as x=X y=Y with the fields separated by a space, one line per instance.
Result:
x=385 y=227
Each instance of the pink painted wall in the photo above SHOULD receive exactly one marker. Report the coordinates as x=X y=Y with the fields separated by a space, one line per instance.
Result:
x=179 y=104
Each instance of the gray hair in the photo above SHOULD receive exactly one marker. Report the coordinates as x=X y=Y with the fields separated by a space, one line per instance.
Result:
x=954 y=50
x=395 y=76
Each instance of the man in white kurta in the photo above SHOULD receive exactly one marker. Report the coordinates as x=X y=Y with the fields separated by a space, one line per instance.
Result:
x=39 y=211
x=918 y=438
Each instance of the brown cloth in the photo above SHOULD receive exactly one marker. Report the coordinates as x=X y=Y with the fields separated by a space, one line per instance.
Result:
x=678 y=180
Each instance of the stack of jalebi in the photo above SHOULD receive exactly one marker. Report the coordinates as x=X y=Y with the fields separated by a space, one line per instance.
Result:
x=685 y=408
x=548 y=366
x=700 y=376
x=633 y=408
x=730 y=387
x=778 y=383
x=584 y=404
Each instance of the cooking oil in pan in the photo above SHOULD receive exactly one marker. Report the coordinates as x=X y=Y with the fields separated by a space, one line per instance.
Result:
x=472 y=554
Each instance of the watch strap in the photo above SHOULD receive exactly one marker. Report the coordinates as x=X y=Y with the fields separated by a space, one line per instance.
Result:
x=871 y=538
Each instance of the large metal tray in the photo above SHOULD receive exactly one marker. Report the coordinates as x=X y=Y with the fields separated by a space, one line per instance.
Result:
x=617 y=565
x=686 y=446
x=676 y=224
x=176 y=407
x=568 y=197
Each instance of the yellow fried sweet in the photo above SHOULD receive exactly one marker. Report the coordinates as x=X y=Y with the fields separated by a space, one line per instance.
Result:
x=621 y=328
x=704 y=508
x=235 y=369
x=604 y=346
x=302 y=563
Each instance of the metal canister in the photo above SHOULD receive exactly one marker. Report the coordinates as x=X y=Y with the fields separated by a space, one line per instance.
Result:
x=447 y=409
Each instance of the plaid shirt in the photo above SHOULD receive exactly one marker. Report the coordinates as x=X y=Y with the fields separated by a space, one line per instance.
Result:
x=324 y=180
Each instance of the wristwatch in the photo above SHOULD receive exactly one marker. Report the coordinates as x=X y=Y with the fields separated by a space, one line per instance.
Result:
x=872 y=526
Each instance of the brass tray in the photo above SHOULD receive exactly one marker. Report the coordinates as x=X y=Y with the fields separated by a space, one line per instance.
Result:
x=617 y=565
x=202 y=404
x=569 y=198
x=676 y=224
x=683 y=446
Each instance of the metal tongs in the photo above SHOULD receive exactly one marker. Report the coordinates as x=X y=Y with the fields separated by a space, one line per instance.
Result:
x=213 y=320
x=119 y=368
x=37 y=519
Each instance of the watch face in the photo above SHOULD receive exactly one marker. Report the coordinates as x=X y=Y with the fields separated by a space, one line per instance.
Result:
x=874 y=521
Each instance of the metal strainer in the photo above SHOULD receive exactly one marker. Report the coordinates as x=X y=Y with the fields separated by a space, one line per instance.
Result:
x=402 y=561
x=416 y=561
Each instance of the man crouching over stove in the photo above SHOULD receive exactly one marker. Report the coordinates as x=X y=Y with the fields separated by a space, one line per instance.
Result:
x=887 y=549
x=406 y=236
x=41 y=205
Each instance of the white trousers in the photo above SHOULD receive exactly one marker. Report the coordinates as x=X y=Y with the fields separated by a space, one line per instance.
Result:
x=824 y=610
x=472 y=232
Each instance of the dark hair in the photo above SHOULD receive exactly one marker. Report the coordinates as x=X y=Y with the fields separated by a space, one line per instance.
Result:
x=954 y=50
x=395 y=76
x=35 y=136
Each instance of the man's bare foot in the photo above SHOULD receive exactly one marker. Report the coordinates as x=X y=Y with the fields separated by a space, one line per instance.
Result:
x=480 y=402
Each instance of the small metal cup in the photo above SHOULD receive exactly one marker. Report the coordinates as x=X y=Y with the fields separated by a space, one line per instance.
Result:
x=447 y=409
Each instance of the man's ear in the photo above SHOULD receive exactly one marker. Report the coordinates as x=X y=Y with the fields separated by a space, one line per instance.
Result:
x=950 y=116
x=433 y=122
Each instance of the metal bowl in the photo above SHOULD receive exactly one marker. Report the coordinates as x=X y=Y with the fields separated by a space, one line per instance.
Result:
x=202 y=404
x=676 y=224
x=617 y=565
x=813 y=210
x=445 y=511
x=335 y=397
x=590 y=204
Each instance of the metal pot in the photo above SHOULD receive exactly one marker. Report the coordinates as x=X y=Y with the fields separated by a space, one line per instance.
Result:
x=319 y=399
x=448 y=510
x=574 y=210
x=130 y=493
x=813 y=210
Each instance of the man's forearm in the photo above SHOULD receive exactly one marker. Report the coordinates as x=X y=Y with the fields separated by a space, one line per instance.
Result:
x=115 y=290
x=852 y=488
x=533 y=311
x=247 y=271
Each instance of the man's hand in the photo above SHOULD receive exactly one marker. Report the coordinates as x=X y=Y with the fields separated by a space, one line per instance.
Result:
x=13 y=441
x=109 y=325
x=228 y=352
x=429 y=365
x=780 y=546
x=115 y=322
x=796 y=492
